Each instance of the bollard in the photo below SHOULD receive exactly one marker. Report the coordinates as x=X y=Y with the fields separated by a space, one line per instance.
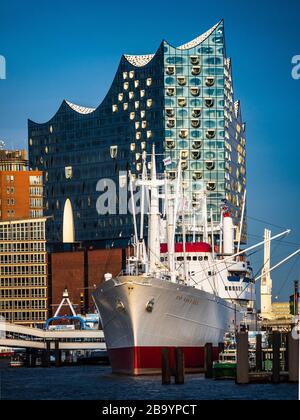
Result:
x=57 y=354
x=258 y=353
x=293 y=348
x=165 y=367
x=242 y=370
x=208 y=360
x=179 y=366
x=276 y=344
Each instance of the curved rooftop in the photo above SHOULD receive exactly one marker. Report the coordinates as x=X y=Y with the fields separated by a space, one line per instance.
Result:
x=143 y=60
x=139 y=60
x=199 y=39
x=80 y=109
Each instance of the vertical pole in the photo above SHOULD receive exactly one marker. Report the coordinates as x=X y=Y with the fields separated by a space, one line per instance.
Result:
x=179 y=366
x=166 y=369
x=57 y=354
x=242 y=371
x=208 y=360
x=276 y=342
x=48 y=353
x=86 y=281
x=27 y=358
x=286 y=353
x=258 y=353
x=293 y=349
x=296 y=298
x=33 y=357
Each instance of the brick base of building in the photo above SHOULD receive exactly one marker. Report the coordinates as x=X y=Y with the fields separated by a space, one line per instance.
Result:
x=80 y=272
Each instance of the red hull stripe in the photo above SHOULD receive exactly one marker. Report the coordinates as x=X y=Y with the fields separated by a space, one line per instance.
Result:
x=135 y=360
x=190 y=247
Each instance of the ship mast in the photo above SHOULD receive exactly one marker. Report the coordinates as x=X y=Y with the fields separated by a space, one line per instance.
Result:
x=154 y=218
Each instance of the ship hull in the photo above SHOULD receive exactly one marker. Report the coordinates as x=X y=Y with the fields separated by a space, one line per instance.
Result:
x=142 y=315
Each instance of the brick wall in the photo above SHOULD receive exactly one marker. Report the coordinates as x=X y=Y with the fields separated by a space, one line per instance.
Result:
x=68 y=270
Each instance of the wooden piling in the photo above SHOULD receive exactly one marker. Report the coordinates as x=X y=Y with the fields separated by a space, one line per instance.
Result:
x=258 y=353
x=208 y=360
x=242 y=371
x=57 y=354
x=165 y=367
x=276 y=344
x=179 y=366
x=46 y=355
x=293 y=358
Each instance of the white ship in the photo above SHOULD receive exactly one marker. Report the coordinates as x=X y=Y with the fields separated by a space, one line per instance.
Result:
x=183 y=294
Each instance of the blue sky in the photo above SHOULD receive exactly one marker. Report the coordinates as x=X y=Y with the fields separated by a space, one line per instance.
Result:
x=71 y=49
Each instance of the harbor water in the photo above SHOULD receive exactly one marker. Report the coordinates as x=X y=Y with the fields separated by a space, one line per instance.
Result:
x=97 y=383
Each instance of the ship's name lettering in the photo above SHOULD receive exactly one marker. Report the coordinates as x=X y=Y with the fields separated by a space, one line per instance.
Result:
x=189 y=301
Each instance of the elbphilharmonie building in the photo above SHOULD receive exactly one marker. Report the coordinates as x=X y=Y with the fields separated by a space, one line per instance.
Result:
x=180 y=99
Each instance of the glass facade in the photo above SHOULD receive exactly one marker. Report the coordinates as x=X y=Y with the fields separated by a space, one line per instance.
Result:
x=180 y=99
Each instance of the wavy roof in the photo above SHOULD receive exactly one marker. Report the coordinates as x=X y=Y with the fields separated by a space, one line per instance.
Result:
x=143 y=60
x=80 y=109
x=199 y=39
x=139 y=60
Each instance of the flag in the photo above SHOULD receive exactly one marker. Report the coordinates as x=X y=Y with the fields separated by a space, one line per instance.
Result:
x=167 y=161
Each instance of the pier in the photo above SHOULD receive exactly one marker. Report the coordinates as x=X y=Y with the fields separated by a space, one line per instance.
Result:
x=37 y=342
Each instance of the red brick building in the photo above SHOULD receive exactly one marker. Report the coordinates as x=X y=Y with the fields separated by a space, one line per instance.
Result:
x=80 y=272
x=21 y=190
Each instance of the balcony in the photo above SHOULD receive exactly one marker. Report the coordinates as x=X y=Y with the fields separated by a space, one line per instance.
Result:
x=210 y=81
x=170 y=91
x=171 y=123
x=149 y=103
x=170 y=143
x=170 y=112
x=209 y=102
x=196 y=70
x=211 y=186
x=210 y=165
x=194 y=60
x=197 y=175
x=182 y=102
x=196 y=154
x=113 y=152
x=195 y=123
x=184 y=165
x=184 y=154
x=197 y=144
x=196 y=113
x=181 y=80
x=210 y=134
x=183 y=134
x=170 y=70
x=195 y=91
